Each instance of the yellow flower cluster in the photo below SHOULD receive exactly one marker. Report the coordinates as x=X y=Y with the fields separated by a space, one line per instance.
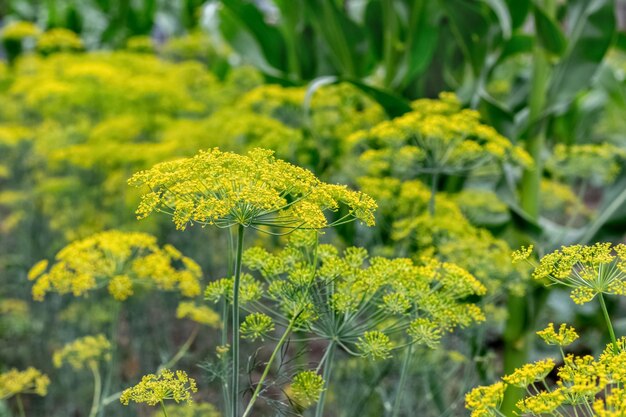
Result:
x=583 y=383
x=19 y=30
x=256 y=189
x=437 y=136
x=447 y=235
x=426 y=300
x=306 y=388
x=564 y=337
x=119 y=260
x=530 y=373
x=588 y=270
x=166 y=385
x=256 y=326
x=200 y=314
x=29 y=381
x=59 y=40
x=484 y=400
x=83 y=352
x=600 y=163
x=375 y=345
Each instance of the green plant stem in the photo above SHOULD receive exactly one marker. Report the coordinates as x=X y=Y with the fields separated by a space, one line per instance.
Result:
x=404 y=371
x=328 y=366
x=97 y=389
x=234 y=389
x=163 y=409
x=433 y=194
x=20 y=405
x=259 y=386
x=608 y=322
x=389 y=38
x=183 y=349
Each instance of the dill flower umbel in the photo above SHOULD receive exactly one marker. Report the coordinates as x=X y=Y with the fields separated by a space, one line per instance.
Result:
x=564 y=337
x=166 y=385
x=255 y=190
x=306 y=388
x=29 y=381
x=121 y=261
x=198 y=313
x=484 y=400
x=587 y=270
x=256 y=325
x=86 y=351
x=375 y=345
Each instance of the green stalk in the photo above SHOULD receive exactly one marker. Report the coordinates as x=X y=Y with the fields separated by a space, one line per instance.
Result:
x=433 y=192
x=608 y=322
x=518 y=323
x=163 y=409
x=389 y=38
x=404 y=371
x=330 y=353
x=97 y=389
x=183 y=349
x=20 y=405
x=234 y=389
x=259 y=386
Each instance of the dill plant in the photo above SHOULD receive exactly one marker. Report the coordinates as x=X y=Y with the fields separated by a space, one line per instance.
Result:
x=365 y=306
x=15 y=383
x=237 y=192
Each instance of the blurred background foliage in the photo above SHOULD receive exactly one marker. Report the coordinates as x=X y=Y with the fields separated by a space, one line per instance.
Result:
x=526 y=144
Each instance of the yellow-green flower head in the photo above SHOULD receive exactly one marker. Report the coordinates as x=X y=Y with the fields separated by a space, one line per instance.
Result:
x=86 y=351
x=306 y=388
x=59 y=40
x=256 y=326
x=120 y=261
x=600 y=163
x=426 y=332
x=582 y=377
x=522 y=254
x=166 y=385
x=140 y=44
x=437 y=136
x=19 y=30
x=613 y=405
x=482 y=401
x=564 y=337
x=29 y=381
x=587 y=270
x=375 y=345
x=198 y=313
x=256 y=189
x=249 y=290
x=544 y=403
x=530 y=373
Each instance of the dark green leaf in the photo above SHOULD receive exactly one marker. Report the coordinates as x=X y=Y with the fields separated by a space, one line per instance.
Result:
x=548 y=32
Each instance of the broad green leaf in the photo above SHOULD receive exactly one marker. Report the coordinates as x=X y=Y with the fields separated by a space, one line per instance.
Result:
x=591 y=28
x=501 y=10
x=518 y=10
x=548 y=32
x=268 y=38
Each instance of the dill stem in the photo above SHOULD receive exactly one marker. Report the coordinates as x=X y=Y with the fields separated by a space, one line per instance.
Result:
x=234 y=389
x=406 y=362
x=328 y=366
x=259 y=385
x=163 y=408
x=20 y=405
x=608 y=322
x=97 y=389
x=183 y=349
